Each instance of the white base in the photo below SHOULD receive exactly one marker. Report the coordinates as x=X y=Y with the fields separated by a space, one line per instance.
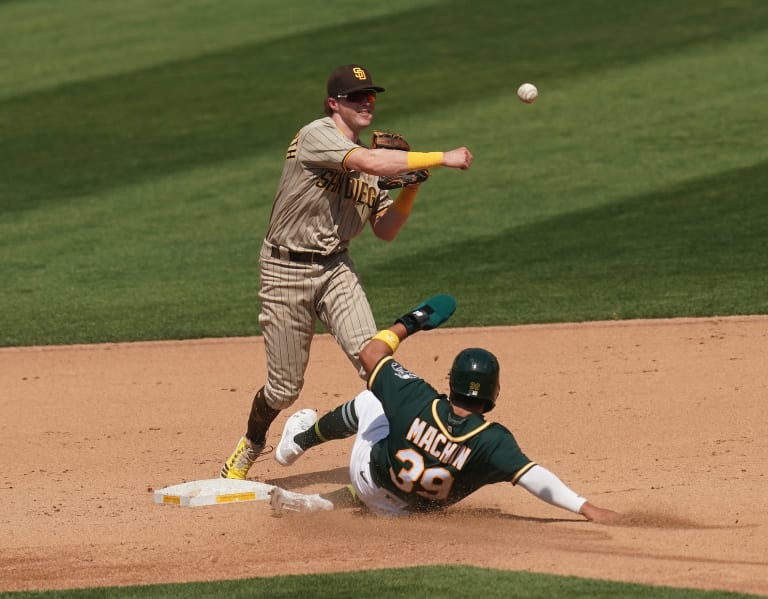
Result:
x=213 y=491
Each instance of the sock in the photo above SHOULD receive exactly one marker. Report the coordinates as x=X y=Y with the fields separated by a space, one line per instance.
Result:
x=260 y=418
x=339 y=423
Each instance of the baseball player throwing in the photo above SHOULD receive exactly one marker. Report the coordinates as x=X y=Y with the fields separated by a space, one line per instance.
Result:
x=415 y=449
x=330 y=187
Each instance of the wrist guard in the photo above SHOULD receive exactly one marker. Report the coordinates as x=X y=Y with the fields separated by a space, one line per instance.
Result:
x=429 y=314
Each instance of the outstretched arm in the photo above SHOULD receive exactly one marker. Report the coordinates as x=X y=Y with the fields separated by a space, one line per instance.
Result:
x=383 y=162
x=548 y=487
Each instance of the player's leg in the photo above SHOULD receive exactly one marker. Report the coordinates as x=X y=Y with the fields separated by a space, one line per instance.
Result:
x=247 y=450
x=281 y=500
x=373 y=426
x=303 y=430
x=287 y=320
x=345 y=311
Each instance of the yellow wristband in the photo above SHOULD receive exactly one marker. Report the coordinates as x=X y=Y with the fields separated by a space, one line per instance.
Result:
x=404 y=202
x=420 y=160
x=389 y=338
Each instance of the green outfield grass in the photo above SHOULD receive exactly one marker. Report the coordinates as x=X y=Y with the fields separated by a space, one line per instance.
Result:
x=421 y=583
x=141 y=145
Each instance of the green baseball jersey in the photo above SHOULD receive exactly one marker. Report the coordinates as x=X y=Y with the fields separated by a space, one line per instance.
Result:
x=431 y=458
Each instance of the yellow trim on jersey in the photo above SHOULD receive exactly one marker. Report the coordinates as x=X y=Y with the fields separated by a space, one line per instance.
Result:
x=522 y=471
x=376 y=369
x=346 y=156
x=448 y=435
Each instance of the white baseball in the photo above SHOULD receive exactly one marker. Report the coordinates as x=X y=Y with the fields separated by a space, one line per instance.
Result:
x=527 y=92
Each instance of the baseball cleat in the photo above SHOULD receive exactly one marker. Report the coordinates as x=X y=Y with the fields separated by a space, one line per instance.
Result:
x=288 y=451
x=241 y=460
x=288 y=501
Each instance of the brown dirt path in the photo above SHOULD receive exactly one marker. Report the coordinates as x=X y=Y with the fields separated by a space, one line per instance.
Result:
x=662 y=420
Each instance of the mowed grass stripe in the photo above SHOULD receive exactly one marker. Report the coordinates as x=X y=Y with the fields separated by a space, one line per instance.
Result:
x=37 y=52
x=114 y=130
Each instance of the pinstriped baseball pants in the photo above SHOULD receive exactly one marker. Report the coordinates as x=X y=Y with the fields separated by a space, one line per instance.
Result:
x=294 y=296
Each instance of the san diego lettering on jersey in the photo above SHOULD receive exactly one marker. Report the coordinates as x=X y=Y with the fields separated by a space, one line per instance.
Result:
x=436 y=444
x=356 y=190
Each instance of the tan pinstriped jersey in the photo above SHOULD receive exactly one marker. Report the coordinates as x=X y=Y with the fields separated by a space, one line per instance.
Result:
x=320 y=205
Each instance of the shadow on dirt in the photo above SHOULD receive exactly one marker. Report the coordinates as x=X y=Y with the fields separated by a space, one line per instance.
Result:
x=335 y=475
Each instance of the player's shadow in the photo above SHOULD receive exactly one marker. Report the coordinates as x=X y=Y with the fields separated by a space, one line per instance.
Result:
x=338 y=476
x=501 y=515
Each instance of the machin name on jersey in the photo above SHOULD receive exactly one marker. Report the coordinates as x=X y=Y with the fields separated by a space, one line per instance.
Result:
x=436 y=444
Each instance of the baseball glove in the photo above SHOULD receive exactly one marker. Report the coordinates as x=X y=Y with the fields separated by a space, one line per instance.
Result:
x=403 y=179
x=394 y=141
x=389 y=141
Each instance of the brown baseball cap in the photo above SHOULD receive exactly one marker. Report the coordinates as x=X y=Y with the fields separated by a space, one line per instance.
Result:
x=350 y=78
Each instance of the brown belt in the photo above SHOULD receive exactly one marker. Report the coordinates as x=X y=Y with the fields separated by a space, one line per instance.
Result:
x=305 y=257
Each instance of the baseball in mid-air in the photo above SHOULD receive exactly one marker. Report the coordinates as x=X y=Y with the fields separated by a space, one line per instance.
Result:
x=527 y=92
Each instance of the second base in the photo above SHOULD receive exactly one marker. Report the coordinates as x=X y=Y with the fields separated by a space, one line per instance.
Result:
x=212 y=491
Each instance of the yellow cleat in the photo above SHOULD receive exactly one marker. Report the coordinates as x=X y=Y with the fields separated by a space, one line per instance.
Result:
x=241 y=460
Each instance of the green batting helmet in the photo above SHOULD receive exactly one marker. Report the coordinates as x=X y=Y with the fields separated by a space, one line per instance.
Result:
x=474 y=378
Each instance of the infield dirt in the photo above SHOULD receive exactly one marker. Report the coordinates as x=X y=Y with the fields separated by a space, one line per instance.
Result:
x=664 y=421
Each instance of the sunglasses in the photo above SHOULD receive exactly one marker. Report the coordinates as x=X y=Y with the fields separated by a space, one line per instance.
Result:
x=359 y=97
